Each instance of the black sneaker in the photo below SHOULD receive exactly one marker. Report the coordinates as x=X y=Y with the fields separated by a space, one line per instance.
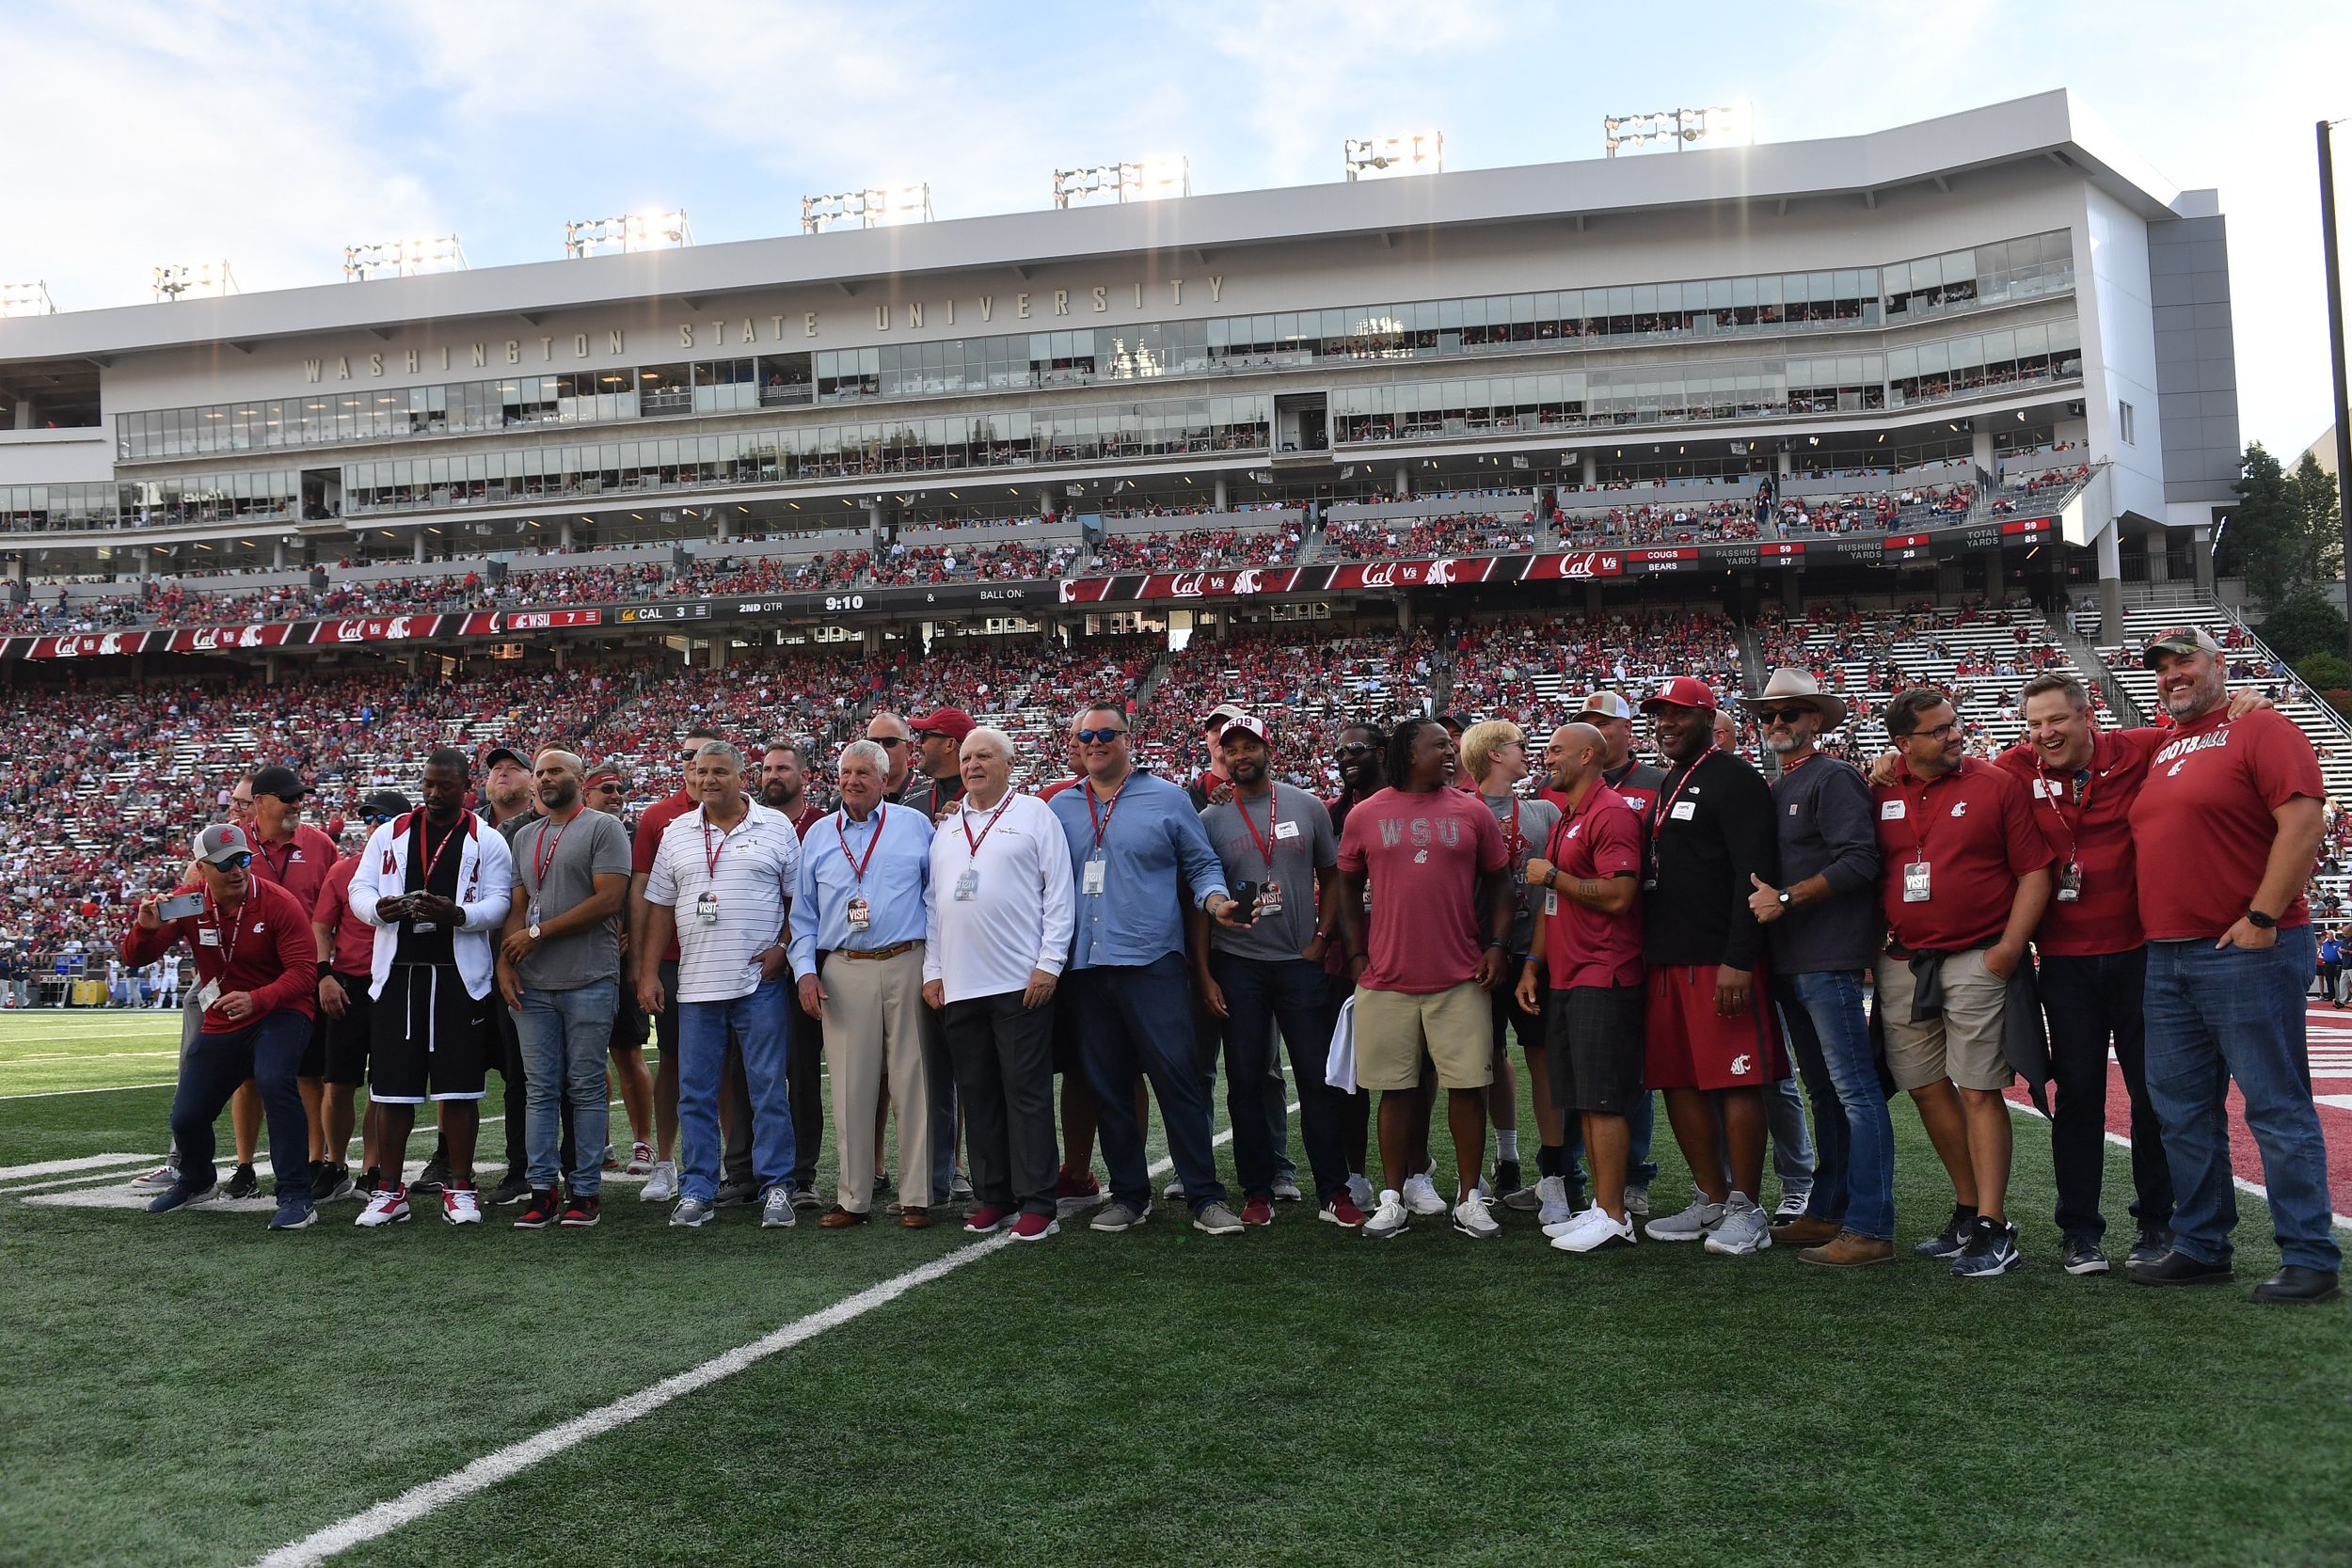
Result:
x=433 y=1177
x=330 y=1182
x=243 y=1184
x=731 y=1193
x=2083 y=1255
x=2153 y=1242
x=541 y=1212
x=1507 y=1177
x=1953 y=1239
x=515 y=1188
x=1991 y=1250
x=2178 y=1268
x=370 y=1181
x=2296 y=1286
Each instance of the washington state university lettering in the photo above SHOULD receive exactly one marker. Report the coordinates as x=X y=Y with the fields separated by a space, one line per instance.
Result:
x=1419 y=831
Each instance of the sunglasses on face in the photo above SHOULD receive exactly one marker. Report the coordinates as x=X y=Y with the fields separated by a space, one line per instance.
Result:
x=890 y=742
x=235 y=863
x=1088 y=738
x=1356 y=749
x=1781 y=714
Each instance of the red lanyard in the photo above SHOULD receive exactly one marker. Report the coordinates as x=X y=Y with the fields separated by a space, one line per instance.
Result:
x=710 y=856
x=1103 y=823
x=1664 y=802
x=542 y=854
x=433 y=852
x=965 y=817
x=1915 y=807
x=857 y=867
x=1512 y=843
x=2082 y=803
x=1265 y=844
x=230 y=930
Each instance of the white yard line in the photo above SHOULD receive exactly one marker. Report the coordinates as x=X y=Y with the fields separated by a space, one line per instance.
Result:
x=512 y=1460
x=62 y=1167
x=110 y=1088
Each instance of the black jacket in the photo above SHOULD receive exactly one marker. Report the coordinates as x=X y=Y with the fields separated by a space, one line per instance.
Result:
x=1710 y=829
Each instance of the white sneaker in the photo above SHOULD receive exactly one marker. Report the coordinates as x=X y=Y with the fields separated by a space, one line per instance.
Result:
x=1576 y=1220
x=161 y=1179
x=388 y=1206
x=1420 y=1196
x=1551 y=1200
x=1597 y=1231
x=775 y=1213
x=1389 y=1219
x=640 y=1159
x=661 y=1185
x=1471 y=1219
x=1286 y=1190
x=1360 y=1189
x=1792 y=1205
x=1689 y=1225
x=461 y=1205
x=1742 y=1231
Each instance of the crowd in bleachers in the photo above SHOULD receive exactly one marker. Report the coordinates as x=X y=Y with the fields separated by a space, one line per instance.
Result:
x=1476 y=533
x=905 y=566
x=1305 y=678
x=1205 y=549
x=1537 y=669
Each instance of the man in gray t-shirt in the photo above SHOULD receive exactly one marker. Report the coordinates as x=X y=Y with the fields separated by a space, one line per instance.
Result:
x=559 y=967
x=1494 y=757
x=1270 y=972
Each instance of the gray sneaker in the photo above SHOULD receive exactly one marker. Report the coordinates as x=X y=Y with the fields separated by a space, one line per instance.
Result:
x=1689 y=1225
x=733 y=1192
x=959 y=1188
x=1174 y=1191
x=691 y=1212
x=661 y=1185
x=1217 y=1220
x=161 y=1179
x=776 y=1212
x=806 y=1197
x=1741 y=1230
x=1637 y=1201
x=1118 y=1216
x=1286 y=1188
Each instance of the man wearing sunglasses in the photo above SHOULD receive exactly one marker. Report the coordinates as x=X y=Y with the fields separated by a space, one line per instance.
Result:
x=258 y=970
x=1965 y=877
x=346 y=945
x=889 y=732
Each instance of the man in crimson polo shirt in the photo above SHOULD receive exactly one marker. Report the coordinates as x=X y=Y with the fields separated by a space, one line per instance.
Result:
x=1965 y=877
x=2226 y=829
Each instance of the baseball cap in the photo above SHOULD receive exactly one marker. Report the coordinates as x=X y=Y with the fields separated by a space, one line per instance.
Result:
x=1222 y=714
x=490 y=757
x=1609 y=705
x=219 y=843
x=1249 y=721
x=953 y=722
x=284 y=783
x=1681 y=691
x=2179 y=639
x=385 y=803
x=605 y=771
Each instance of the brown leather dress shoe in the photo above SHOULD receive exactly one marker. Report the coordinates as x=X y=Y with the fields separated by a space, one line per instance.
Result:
x=838 y=1218
x=1849 y=1251
x=1803 y=1230
x=912 y=1218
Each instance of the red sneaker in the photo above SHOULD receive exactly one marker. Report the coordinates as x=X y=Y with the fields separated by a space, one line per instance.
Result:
x=984 y=1219
x=1258 y=1210
x=1075 y=1191
x=1341 y=1211
x=582 y=1212
x=540 y=1212
x=1035 y=1228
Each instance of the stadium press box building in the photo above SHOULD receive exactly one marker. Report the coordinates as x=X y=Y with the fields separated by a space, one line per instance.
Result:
x=1977 y=298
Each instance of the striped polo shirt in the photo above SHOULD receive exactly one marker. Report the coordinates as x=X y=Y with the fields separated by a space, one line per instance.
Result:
x=756 y=863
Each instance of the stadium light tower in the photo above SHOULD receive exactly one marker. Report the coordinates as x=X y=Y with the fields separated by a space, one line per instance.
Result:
x=1723 y=125
x=211 y=279
x=27 y=299
x=403 y=258
x=1369 y=157
x=1147 y=180
x=877 y=207
x=646 y=230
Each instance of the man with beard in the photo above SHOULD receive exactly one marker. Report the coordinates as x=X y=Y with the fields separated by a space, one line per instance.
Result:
x=782 y=789
x=1360 y=754
x=784 y=786
x=1711 y=1043
x=1214 y=784
x=346 y=945
x=937 y=783
x=559 y=967
x=607 y=793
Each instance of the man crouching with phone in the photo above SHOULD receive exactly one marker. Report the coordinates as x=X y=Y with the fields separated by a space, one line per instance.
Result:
x=256 y=970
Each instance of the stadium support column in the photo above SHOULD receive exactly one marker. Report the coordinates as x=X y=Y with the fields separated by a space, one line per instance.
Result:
x=1405 y=612
x=563 y=534
x=277 y=553
x=2110 y=546
x=2200 y=558
x=416 y=546
x=1590 y=473
x=1980 y=443
x=1792 y=593
x=718 y=646
x=1221 y=505
x=1403 y=486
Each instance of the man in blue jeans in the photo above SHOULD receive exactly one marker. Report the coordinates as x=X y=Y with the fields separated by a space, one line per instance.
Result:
x=2226 y=829
x=1823 y=924
x=720 y=883
x=1130 y=837
x=559 y=967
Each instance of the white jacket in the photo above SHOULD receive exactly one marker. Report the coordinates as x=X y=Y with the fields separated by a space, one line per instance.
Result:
x=485 y=888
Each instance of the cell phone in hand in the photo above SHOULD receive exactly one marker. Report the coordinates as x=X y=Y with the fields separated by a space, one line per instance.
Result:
x=1246 y=895
x=180 y=906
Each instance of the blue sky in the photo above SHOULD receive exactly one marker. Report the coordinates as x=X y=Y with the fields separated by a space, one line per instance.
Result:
x=273 y=135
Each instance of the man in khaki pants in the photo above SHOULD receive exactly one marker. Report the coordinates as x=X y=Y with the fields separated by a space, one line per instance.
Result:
x=857 y=948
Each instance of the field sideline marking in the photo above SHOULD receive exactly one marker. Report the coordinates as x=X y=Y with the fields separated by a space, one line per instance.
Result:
x=514 y=1458
x=61 y=1168
x=104 y=1088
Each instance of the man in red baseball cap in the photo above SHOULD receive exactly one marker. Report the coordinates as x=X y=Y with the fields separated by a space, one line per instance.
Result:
x=1711 y=1042
x=937 y=788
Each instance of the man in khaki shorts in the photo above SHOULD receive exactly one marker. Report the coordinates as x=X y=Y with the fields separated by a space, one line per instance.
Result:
x=1965 y=877
x=1436 y=944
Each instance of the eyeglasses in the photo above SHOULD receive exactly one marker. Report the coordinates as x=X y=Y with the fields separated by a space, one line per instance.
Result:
x=1088 y=738
x=1780 y=715
x=235 y=863
x=1936 y=734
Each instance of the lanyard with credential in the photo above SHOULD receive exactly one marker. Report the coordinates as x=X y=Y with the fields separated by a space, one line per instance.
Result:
x=965 y=817
x=228 y=930
x=1265 y=844
x=1103 y=822
x=857 y=867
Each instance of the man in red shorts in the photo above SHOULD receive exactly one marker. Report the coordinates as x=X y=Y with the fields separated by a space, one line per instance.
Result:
x=1710 y=1041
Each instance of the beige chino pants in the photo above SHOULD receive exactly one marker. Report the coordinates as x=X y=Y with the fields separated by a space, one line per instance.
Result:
x=873 y=1023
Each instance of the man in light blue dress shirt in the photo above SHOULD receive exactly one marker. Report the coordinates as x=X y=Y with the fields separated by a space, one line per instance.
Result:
x=857 y=949
x=1131 y=837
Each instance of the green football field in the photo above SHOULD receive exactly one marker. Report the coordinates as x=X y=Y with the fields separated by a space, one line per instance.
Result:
x=194 y=1390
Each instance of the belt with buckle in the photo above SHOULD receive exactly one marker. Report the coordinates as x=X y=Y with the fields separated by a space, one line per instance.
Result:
x=890 y=952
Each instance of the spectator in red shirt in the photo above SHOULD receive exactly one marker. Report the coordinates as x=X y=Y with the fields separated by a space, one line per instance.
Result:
x=258 y=970
x=1965 y=877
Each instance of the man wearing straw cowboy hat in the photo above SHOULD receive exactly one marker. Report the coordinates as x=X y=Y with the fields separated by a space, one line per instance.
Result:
x=1823 y=924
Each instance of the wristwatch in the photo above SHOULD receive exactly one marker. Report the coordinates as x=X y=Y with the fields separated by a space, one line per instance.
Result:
x=533 y=932
x=1786 y=902
x=2260 y=921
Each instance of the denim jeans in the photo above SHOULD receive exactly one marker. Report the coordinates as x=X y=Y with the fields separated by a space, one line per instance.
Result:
x=761 y=1030
x=1137 y=1020
x=1260 y=994
x=2089 y=1001
x=562 y=1036
x=2218 y=1014
x=1854 y=1176
x=1792 y=1142
x=268 y=1050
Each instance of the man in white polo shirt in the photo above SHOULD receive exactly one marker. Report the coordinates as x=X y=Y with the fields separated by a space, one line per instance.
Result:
x=998 y=918
x=730 y=865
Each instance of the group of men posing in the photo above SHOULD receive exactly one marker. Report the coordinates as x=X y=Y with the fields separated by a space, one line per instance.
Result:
x=948 y=944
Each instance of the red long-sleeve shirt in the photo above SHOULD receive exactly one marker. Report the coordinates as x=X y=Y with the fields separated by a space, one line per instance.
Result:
x=275 y=956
